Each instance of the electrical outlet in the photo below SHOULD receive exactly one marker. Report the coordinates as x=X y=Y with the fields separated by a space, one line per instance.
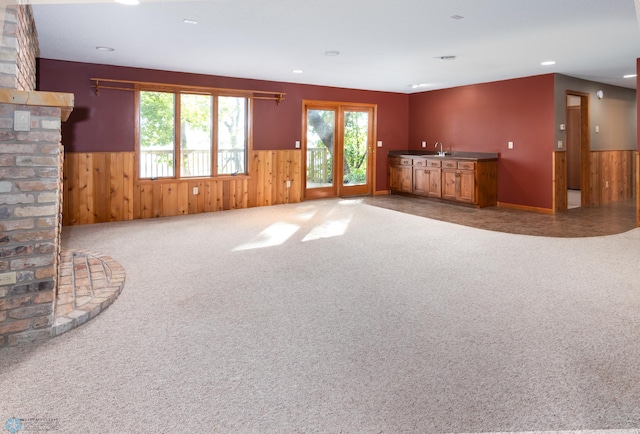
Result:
x=560 y=144
x=606 y=184
x=288 y=183
x=424 y=144
x=297 y=144
x=195 y=190
x=8 y=278
x=379 y=143
x=510 y=145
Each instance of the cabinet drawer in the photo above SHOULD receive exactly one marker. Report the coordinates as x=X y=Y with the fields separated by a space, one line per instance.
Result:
x=467 y=165
x=447 y=164
x=419 y=162
x=433 y=163
x=398 y=161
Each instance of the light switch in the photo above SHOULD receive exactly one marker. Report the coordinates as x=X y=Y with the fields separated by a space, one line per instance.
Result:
x=560 y=144
x=597 y=128
x=21 y=120
x=510 y=145
x=379 y=143
x=298 y=144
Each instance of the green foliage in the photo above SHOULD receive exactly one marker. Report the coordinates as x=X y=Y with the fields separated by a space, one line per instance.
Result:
x=195 y=115
x=157 y=114
x=356 y=135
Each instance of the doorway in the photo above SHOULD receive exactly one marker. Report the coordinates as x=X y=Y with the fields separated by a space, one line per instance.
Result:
x=338 y=155
x=578 y=149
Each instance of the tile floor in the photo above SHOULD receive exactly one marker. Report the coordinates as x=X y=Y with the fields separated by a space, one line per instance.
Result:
x=609 y=219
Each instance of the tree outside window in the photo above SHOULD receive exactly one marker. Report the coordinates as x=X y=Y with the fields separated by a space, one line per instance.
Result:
x=165 y=116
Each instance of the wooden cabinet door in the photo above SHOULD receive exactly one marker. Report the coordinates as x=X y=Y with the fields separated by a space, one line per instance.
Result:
x=406 y=179
x=400 y=178
x=420 y=181
x=466 y=186
x=449 y=184
x=434 y=185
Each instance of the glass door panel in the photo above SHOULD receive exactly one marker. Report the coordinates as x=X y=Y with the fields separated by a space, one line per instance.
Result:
x=355 y=148
x=321 y=128
x=338 y=149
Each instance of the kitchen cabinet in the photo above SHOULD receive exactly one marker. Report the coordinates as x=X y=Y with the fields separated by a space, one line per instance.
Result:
x=466 y=180
x=427 y=177
x=459 y=180
x=401 y=174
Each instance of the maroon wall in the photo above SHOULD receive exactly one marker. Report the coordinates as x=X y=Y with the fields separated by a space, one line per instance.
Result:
x=484 y=118
x=105 y=123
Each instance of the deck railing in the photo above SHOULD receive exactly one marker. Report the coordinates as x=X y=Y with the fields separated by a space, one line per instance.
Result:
x=319 y=169
x=159 y=164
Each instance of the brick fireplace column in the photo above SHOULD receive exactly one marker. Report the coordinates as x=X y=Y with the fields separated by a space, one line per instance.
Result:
x=31 y=158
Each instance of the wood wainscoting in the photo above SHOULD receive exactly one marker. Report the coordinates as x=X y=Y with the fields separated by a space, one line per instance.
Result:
x=611 y=178
x=612 y=174
x=559 y=181
x=101 y=187
x=637 y=192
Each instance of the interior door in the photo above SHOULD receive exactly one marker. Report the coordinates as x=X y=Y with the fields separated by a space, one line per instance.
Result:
x=338 y=149
x=574 y=146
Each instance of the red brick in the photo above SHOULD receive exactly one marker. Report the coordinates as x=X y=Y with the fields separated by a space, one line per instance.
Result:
x=32 y=311
x=16 y=199
x=17 y=173
x=39 y=136
x=37 y=161
x=35 y=261
x=15 y=326
x=42 y=322
x=12 y=225
x=43 y=297
x=16 y=251
x=37 y=185
x=23 y=237
x=8 y=148
x=50 y=149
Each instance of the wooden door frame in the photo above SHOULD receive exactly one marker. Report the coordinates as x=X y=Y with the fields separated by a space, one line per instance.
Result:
x=339 y=107
x=585 y=147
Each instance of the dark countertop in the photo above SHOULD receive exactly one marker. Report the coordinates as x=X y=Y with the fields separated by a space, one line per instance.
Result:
x=456 y=155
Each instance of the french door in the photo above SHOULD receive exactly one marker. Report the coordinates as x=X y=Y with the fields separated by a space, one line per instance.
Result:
x=338 y=149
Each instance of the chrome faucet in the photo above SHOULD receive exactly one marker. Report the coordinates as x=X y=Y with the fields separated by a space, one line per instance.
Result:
x=441 y=153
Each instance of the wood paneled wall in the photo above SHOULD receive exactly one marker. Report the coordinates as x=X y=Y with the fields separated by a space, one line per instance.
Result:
x=101 y=187
x=612 y=175
x=637 y=192
x=559 y=181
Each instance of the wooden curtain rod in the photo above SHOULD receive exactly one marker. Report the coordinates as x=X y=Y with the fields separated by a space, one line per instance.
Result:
x=278 y=97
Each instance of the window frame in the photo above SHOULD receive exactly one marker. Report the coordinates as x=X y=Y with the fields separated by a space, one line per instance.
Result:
x=177 y=90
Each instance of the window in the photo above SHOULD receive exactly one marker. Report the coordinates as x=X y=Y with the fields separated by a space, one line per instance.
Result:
x=185 y=135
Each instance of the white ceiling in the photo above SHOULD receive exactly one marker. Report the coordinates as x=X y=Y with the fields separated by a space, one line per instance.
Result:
x=384 y=45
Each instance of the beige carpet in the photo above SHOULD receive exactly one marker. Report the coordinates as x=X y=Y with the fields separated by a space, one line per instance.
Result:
x=334 y=316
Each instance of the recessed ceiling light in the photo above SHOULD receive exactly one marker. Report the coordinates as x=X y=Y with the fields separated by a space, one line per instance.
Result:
x=548 y=63
x=457 y=17
x=297 y=71
x=128 y=2
x=104 y=49
x=188 y=21
x=332 y=53
x=630 y=76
